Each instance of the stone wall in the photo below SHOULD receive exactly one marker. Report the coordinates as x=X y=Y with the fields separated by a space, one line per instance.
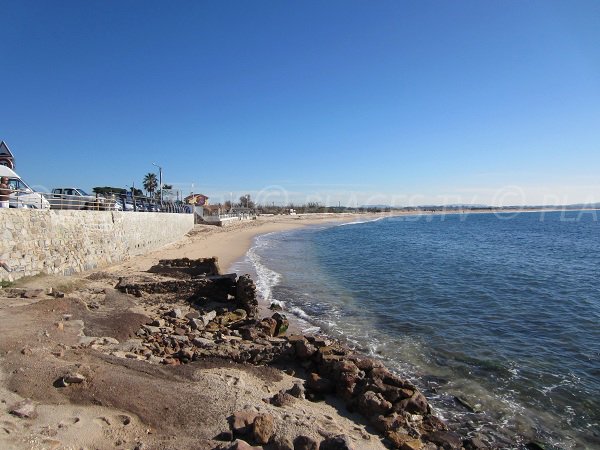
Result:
x=65 y=242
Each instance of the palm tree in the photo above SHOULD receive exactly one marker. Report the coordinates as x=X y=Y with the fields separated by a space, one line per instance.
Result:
x=150 y=183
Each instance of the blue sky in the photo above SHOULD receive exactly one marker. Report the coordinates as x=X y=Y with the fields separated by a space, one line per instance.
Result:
x=357 y=102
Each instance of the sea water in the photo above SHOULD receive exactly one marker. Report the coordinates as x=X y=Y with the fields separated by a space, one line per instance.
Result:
x=496 y=317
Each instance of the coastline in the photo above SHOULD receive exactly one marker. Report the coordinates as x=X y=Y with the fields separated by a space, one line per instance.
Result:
x=67 y=321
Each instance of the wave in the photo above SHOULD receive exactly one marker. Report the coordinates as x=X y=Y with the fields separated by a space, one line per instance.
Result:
x=359 y=222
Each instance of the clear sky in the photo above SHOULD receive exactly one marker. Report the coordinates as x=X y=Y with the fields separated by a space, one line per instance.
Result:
x=358 y=102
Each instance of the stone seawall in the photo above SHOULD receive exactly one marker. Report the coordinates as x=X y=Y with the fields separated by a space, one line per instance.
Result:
x=65 y=242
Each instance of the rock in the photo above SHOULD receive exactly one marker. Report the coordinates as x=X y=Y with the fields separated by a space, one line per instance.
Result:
x=474 y=443
x=205 y=318
x=192 y=315
x=196 y=324
x=304 y=349
x=305 y=443
x=282 y=399
x=180 y=331
x=433 y=423
x=158 y=323
x=24 y=410
x=404 y=441
x=384 y=424
x=241 y=422
x=297 y=390
x=340 y=442
x=417 y=404
x=73 y=378
x=320 y=385
x=202 y=342
x=275 y=307
x=268 y=325
x=175 y=313
x=32 y=293
x=463 y=402
x=282 y=443
x=243 y=445
x=264 y=428
x=373 y=404
x=152 y=329
x=445 y=439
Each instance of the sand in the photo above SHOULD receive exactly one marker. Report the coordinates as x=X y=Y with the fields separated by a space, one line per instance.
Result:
x=128 y=403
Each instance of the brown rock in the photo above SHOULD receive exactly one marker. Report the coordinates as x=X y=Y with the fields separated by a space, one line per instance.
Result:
x=282 y=324
x=404 y=441
x=373 y=404
x=304 y=349
x=241 y=422
x=417 y=404
x=282 y=443
x=268 y=325
x=243 y=445
x=320 y=385
x=305 y=443
x=282 y=399
x=445 y=439
x=297 y=390
x=340 y=442
x=264 y=428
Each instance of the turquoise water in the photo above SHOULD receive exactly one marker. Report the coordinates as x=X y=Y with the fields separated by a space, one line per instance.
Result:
x=502 y=311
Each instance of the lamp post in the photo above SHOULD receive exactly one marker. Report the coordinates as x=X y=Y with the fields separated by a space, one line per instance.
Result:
x=159 y=182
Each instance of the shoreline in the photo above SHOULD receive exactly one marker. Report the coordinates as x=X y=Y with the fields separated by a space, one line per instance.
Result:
x=92 y=307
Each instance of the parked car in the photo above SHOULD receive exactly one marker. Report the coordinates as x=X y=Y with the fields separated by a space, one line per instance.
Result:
x=76 y=198
x=23 y=195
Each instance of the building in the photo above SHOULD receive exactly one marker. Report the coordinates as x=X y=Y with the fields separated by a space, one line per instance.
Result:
x=196 y=200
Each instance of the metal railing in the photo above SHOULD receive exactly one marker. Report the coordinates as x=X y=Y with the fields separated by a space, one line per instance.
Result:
x=96 y=202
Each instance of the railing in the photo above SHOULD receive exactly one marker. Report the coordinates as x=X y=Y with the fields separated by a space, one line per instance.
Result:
x=49 y=200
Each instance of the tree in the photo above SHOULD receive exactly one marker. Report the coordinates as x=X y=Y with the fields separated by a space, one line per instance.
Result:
x=108 y=190
x=246 y=202
x=150 y=183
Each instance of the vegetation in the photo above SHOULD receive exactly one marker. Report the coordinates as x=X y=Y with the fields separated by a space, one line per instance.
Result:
x=150 y=183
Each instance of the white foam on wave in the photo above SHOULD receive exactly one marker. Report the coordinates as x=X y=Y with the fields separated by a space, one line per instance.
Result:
x=267 y=278
x=359 y=222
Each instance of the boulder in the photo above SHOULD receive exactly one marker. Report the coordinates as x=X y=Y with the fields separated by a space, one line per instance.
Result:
x=282 y=324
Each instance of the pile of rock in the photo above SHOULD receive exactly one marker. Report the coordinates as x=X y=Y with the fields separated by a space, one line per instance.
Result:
x=231 y=330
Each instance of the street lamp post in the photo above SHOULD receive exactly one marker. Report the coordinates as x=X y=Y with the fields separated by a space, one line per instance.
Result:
x=160 y=182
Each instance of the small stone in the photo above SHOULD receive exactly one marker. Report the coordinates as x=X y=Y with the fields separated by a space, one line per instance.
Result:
x=24 y=410
x=26 y=351
x=74 y=378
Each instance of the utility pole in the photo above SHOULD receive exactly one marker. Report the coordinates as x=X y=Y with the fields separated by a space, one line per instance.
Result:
x=160 y=182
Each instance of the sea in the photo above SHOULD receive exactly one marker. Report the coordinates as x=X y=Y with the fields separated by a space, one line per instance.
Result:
x=496 y=317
